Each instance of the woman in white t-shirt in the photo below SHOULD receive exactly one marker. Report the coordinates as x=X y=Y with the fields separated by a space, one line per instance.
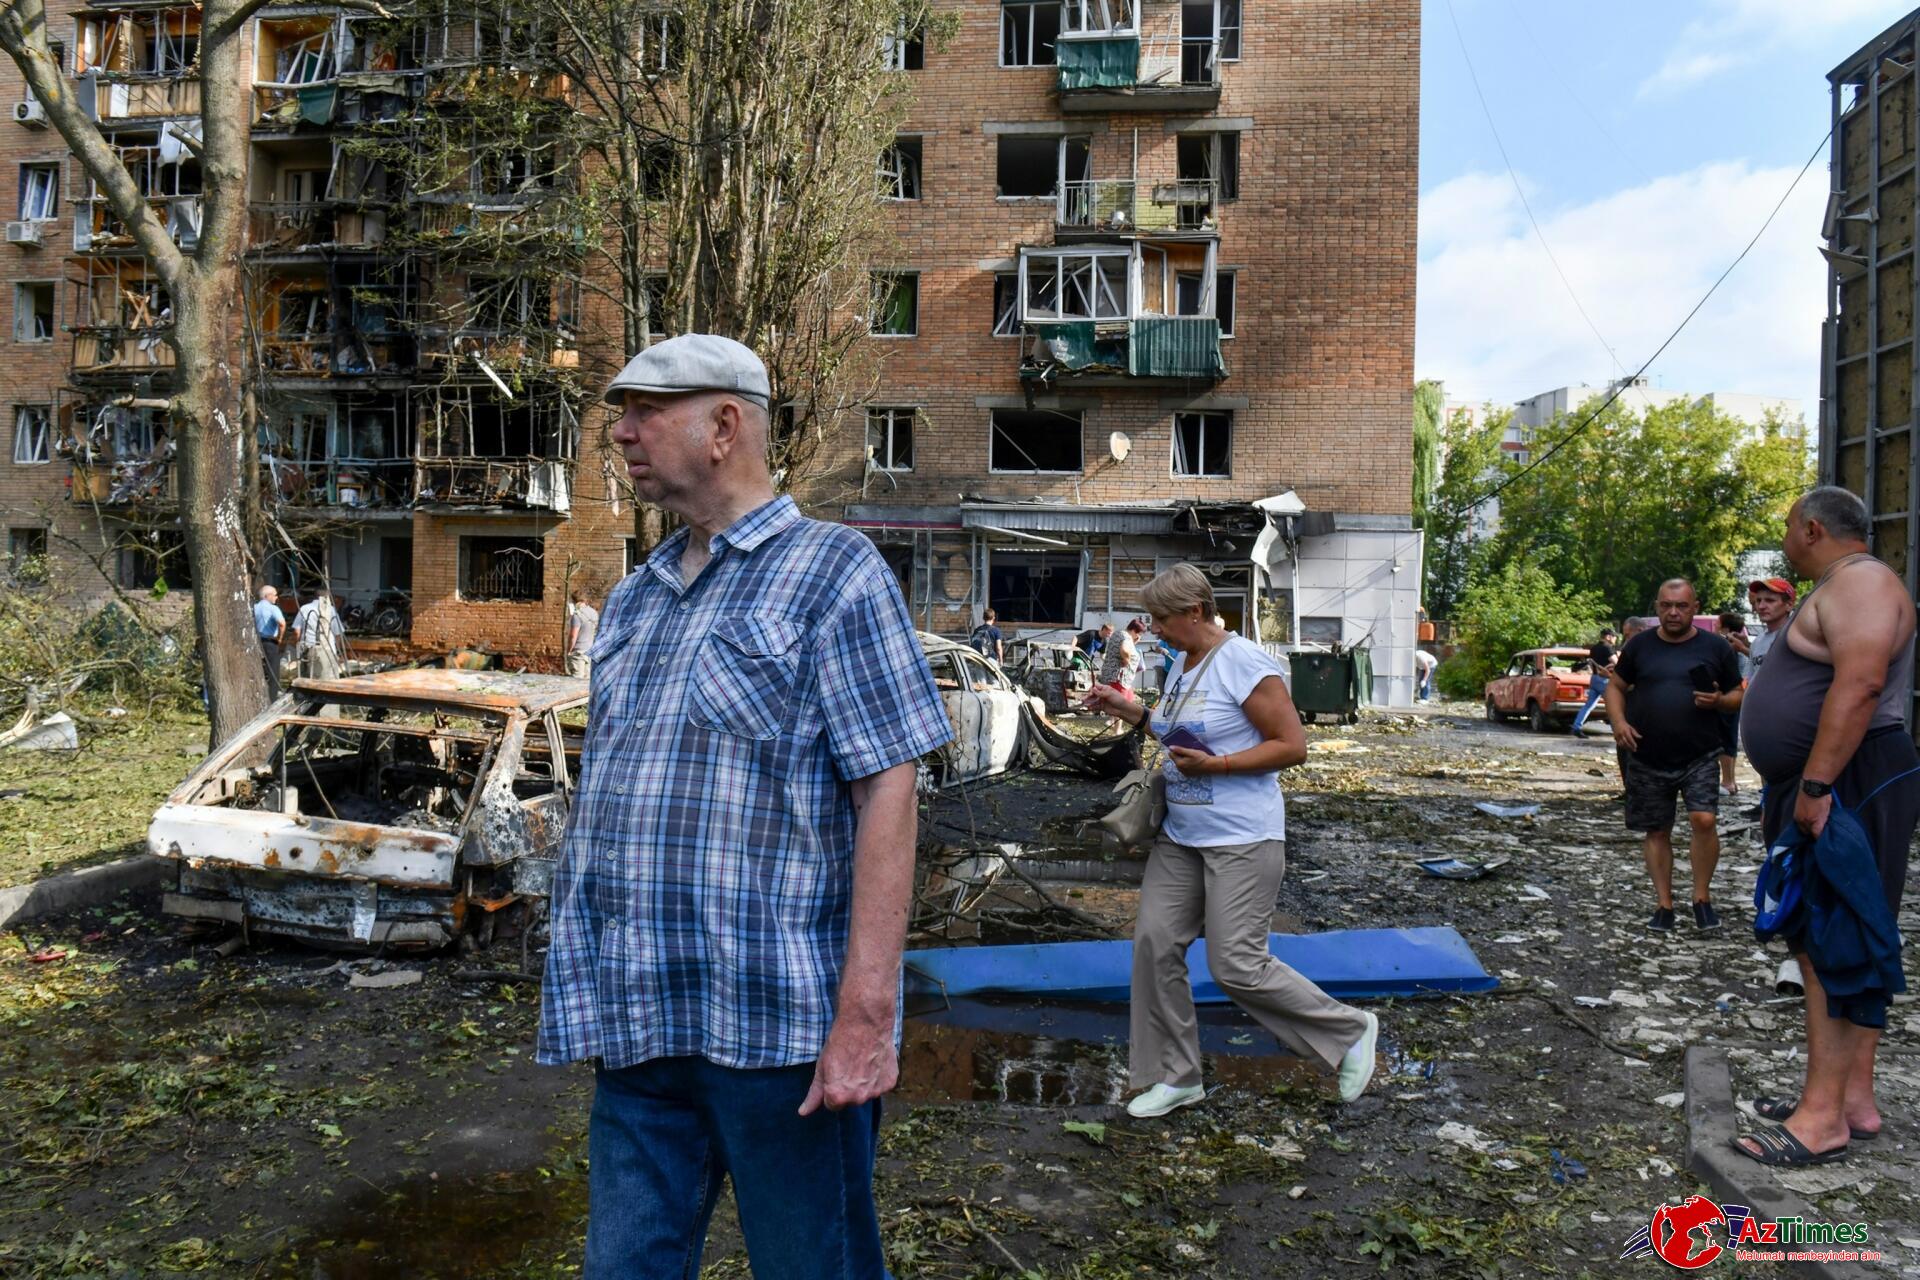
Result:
x=1229 y=726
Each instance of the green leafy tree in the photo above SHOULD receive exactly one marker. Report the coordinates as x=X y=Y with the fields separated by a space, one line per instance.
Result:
x=1469 y=463
x=1634 y=499
x=1427 y=401
x=1516 y=607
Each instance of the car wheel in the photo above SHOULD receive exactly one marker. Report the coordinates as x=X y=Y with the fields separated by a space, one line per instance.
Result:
x=1493 y=712
x=1306 y=717
x=1537 y=718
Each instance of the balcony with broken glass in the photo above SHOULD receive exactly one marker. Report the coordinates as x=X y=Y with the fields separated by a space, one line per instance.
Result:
x=1120 y=314
x=122 y=318
x=120 y=454
x=324 y=70
x=165 y=167
x=137 y=63
x=1142 y=55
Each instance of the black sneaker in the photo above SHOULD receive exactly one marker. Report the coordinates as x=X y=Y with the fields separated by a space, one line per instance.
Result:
x=1662 y=921
x=1704 y=918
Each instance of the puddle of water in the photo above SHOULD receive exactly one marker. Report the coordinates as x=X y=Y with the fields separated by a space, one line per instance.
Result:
x=450 y=1229
x=1060 y=1054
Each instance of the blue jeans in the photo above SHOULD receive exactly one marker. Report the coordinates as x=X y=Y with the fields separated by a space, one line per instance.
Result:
x=1596 y=690
x=663 y=1135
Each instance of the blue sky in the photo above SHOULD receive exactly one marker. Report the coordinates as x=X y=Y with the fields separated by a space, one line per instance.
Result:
x=1651 y=139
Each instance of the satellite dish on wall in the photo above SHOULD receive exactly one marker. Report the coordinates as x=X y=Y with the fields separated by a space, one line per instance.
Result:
x=1119 y=444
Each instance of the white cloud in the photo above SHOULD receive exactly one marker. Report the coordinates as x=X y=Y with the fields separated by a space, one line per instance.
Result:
x=1736 y=32
x=1494 y=321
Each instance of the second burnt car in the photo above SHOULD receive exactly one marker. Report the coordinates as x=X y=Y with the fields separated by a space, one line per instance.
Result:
x=1542 y=685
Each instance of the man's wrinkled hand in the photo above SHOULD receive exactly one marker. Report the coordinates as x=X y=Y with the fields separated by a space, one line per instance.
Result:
x=1810 y=813
x=1625 y=737
x=858 y=1062
x=1707 y=701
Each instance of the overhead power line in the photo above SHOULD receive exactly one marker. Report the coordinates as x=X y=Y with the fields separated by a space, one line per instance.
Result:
x=1622 y=384
x=1521 y=192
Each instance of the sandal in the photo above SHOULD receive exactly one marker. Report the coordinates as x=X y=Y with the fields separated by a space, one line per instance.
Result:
x=1783 y=1108
x=1781 y=1150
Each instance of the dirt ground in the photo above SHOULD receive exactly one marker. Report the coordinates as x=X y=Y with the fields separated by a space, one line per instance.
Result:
x=164 y=1111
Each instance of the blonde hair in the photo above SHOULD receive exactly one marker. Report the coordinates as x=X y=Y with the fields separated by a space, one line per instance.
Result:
x=1177 y=590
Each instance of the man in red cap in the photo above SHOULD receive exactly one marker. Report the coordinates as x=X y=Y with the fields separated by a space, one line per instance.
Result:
x=1772 y=602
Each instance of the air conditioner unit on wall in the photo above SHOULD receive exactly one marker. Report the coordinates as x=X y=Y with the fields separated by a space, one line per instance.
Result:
x=23 y=233
x=31 y=114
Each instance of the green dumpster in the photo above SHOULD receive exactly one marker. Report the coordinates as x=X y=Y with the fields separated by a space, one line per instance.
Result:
x=1332 y=684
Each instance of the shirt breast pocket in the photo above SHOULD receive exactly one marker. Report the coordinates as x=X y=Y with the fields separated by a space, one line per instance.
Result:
x=744 y=677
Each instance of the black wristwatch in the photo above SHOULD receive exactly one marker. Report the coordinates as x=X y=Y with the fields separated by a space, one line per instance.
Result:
x=1818 y=790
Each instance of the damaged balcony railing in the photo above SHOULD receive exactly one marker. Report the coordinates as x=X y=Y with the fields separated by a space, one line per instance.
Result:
x=97 y=229
x=337 y=482
x=1114 y=204
x=281 y=226
x=542 y=483
x=118 y=349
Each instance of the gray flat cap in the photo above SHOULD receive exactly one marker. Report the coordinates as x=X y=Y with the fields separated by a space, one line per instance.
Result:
x=693 y=362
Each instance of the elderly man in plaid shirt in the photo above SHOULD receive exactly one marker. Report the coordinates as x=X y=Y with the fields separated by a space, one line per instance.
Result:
x=729 y=912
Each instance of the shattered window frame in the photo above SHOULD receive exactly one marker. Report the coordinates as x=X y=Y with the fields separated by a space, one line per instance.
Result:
x=32 y=435
x=1006 y=305
x=1203 y=445
x=40 y=191
x=904 y=50
x=494 y=572
x=888 y=428
x=896 y=305
x=1020 y=32
x=34 y=322
x=902 y=165
x=1015 y=608
x=999 y=424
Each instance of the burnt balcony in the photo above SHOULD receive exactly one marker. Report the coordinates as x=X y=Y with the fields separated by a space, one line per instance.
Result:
x=97 y=229
x=544 y=484
x=346 y=484
x=139 y=482
x=295 y=227
x=122 y=350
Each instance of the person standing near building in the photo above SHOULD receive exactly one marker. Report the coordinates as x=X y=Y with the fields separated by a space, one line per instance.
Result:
x=1599 y=669
x=1120 y=661
x=1424 y=665
x=583 y=620
x=270 y=625
x=731 y=901
x=320 y=638
x=1666 y=721
x=986 y=640
x=1230 y=727
x=1826 y=725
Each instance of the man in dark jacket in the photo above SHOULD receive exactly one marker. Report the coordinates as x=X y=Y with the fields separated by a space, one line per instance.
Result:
x=1825 y=723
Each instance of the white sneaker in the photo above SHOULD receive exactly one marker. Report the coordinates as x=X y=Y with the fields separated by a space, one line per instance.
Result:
x=1163 y=1098
x=1356 y=1069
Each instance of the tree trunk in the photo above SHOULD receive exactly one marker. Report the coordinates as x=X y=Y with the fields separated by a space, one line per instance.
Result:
x=211 y=450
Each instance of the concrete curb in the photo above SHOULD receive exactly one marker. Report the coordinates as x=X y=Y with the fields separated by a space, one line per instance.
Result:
x=88 y=887
x=1712 y=1123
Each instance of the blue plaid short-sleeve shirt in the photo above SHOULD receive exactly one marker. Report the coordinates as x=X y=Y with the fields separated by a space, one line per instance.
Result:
x=703 y=898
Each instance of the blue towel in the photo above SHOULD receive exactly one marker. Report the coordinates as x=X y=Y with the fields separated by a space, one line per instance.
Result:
x=1848 y=931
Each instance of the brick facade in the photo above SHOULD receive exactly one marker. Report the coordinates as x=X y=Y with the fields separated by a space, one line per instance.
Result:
x=1323 y=103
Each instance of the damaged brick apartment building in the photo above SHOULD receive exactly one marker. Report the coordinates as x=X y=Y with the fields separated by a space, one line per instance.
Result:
x=1151 y=299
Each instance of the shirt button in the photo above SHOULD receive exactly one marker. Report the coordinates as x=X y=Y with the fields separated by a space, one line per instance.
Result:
x=619 y=791
x=662 y=662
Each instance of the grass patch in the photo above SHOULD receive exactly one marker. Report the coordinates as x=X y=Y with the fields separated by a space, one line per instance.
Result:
x=81 y=808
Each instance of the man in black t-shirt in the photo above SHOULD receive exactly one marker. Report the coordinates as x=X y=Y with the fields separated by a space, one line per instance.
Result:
x=1667 y=722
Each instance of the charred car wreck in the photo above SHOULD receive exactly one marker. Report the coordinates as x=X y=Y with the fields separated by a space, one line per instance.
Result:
x=412 y=808
x=384 y=809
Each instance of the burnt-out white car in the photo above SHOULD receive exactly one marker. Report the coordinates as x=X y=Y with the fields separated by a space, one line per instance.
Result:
x=386 y=809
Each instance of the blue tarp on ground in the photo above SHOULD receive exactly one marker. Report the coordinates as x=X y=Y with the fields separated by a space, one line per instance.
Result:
x=1348 y=964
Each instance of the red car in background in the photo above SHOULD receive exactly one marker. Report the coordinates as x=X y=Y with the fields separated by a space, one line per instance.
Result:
x=1541 y=685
